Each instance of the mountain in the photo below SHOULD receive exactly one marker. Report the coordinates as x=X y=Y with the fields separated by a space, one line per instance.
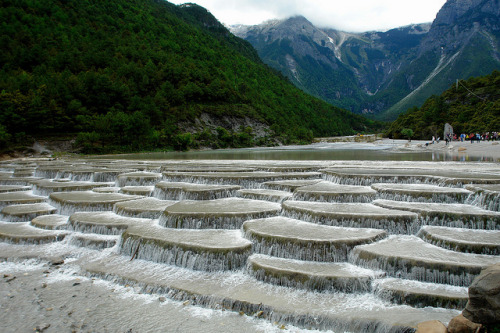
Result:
x=471 y=106
x=146 y=74
x=383 y=73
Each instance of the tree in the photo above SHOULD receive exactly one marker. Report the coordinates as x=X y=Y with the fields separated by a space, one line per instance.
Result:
x=408 y=132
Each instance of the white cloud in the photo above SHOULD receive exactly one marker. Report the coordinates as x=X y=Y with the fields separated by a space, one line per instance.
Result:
x=348 y=15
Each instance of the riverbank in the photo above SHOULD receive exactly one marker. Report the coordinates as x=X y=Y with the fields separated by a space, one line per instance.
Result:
x=486 y=150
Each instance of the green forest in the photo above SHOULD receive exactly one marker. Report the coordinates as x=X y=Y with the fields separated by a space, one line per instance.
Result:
x=471 y=106
x=131 y=75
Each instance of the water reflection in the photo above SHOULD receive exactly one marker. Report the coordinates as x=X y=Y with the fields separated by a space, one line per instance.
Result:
x=312 y=152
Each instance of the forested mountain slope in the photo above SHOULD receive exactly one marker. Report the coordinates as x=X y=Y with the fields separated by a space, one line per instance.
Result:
x=471 y=106
x=145 y=74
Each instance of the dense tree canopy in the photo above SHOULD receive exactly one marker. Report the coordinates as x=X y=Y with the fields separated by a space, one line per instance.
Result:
x=471 y=106
x=132 y=73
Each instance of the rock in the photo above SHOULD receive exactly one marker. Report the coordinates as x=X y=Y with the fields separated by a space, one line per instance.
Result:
x=484 y=297
x=432 y=326
x=162 y=299
x=42 y=327
x=57 y=261
x=460 y=324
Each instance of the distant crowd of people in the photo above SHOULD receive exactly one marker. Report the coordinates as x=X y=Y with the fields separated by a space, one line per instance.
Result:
x=493 y=136
x=478 y=137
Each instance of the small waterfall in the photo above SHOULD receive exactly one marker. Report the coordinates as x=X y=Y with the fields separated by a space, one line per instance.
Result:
x=421 y=299
x=21 y=217
x=486 y=199
x=46 y=173
x=142 y=179
x=369 y=180
x=263 y=196
x=146 y=214
x=205 y=221
x=16 y=181
x=401 y=225
x=424 y=197
x=450 y=244
x=94 y=242
x=174 y=255
x=84 y=176
x=89 y=228
x=65 y=208
x=26 y=240
x=360 y=285
x=470 y=222
x=181 y=194
x=243 y=182
x=407 y=269
x=303 y=196
x=107 y=176
x=321 y=252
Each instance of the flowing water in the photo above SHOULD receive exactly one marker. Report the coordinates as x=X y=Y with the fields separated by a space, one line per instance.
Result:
x=325 y=239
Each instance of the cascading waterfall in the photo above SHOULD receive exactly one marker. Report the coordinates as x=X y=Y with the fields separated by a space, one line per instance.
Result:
x=138 y=244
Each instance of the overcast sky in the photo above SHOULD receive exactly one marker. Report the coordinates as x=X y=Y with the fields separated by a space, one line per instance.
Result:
x=346 y=15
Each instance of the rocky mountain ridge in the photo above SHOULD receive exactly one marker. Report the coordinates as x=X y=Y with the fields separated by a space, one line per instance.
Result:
x=383 y=73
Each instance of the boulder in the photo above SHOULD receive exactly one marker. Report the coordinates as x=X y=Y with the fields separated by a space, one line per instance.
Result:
x=484 y=297
x=460 y=324
x=431 y=326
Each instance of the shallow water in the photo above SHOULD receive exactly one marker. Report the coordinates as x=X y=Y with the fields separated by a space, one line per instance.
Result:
x=318 y=152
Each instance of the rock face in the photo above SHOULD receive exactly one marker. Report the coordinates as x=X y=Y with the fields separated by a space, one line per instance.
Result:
x=484 y=297
x=432 y=326
x=460 y=324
